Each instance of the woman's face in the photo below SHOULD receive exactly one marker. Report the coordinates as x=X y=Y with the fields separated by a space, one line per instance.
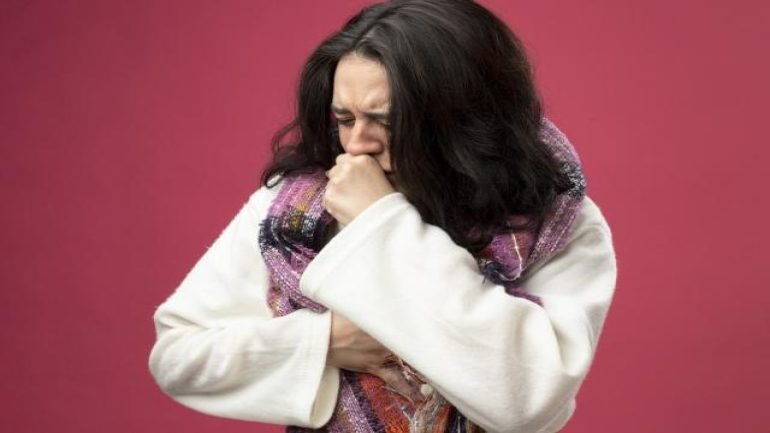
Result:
x=360 y=104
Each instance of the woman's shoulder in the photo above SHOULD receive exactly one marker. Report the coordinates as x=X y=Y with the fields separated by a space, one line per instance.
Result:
x=590 y=242
x=259 y=200
x=585 y=268
x=589 y=218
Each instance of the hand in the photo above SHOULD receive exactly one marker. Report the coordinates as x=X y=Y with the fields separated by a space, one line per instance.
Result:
x=355 y=183
x=352 y=349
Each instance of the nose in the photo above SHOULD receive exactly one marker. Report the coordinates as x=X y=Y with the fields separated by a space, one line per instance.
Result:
x=362 y=142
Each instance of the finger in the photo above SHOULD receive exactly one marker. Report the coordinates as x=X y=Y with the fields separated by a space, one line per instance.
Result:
x=327 y=204
x=396 y=382
x=342 y=157
x=359 y=159
x=332 y=171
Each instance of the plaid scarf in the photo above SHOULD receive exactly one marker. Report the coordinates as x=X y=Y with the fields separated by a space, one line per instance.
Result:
x=297 y=227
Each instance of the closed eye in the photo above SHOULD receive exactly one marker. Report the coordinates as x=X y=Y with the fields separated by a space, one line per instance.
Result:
x=346 y=122
x=349 y=122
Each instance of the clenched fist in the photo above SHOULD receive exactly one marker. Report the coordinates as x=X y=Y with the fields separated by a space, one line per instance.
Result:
x=355 y=183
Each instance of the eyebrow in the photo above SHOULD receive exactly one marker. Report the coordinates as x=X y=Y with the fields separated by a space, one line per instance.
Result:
x=374 y=115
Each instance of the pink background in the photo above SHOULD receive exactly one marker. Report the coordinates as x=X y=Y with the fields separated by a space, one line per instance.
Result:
x=132 y=131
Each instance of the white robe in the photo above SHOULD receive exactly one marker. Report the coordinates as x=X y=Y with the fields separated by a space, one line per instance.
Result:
x=506 y=363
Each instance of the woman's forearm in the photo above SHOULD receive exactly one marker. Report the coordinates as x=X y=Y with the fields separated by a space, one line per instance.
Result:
x=219 y=349
x=505 y=362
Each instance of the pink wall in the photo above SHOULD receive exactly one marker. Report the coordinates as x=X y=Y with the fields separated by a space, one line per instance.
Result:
x=131 y=131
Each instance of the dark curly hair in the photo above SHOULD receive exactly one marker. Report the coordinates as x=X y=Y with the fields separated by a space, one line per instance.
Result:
x=464 y=114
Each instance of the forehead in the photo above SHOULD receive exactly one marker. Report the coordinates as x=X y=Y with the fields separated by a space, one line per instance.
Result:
x=360 y=84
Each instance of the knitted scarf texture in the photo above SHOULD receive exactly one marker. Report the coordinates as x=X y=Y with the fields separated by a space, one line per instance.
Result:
x=296 y=229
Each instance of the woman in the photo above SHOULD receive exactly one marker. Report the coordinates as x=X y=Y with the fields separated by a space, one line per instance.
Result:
x=421 y=256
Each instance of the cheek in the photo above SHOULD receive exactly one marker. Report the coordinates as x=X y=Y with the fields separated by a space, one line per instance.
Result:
x=383 y=137
x=344 y=136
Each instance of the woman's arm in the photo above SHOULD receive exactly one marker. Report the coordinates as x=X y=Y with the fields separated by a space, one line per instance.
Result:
x=219 y=350
x=505 y=362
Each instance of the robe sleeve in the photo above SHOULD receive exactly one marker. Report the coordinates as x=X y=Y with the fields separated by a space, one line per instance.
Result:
x=219 y=349
x=506 y=363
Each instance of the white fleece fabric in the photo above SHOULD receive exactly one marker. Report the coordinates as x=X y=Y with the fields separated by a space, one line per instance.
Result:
x=506 y=363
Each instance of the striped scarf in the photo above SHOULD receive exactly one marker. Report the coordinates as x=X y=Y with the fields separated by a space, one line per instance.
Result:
x=297 y=227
